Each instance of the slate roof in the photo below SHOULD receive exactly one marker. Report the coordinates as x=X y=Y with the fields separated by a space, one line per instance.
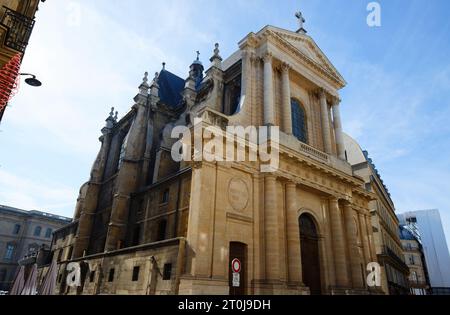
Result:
x=170 y=88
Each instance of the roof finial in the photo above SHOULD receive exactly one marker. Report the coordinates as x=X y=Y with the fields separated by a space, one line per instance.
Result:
x=145 y=79
x=154 y=89
x=216 y=59
x=301 y=22
x=198 y=55
x=111 y=120
x=116 y=116
x=164 y=66
x=143 y=88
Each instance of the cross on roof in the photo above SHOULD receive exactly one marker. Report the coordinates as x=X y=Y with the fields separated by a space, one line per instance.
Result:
x=301 y=22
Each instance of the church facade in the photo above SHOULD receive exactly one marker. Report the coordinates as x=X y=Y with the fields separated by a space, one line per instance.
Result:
x=147 y=224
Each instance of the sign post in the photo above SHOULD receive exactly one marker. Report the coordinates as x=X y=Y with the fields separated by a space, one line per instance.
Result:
x=236 y=267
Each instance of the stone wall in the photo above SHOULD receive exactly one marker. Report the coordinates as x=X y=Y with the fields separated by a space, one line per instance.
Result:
x=155 y=262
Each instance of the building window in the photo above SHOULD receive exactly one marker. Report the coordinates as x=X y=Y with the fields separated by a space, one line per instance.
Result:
x=299 y=121
x=37 y=231
x=167 y=274
x=165 y=196
x=48 y=233
x=232 y=96
x=135 y=273
x=123 y=150
x=232 y=89
x=92 y=276
x=162 y=230
x=16 y=229
x=9 y=251
x=111 y=275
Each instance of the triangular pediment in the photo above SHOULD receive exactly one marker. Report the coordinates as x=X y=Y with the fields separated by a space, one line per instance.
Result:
x=309 y=49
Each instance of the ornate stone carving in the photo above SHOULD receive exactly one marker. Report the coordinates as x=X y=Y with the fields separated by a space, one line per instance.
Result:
x=267 y=57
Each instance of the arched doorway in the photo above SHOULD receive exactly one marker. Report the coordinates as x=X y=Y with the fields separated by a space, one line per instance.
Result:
x=309 y=240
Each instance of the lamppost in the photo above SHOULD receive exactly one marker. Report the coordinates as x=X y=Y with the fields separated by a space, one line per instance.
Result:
x=32 y=81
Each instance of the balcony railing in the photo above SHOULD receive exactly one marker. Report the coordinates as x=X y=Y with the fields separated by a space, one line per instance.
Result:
x=19 y=28
x=313 y=152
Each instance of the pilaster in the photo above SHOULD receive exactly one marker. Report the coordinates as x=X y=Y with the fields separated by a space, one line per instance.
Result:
x=340 y=259
x=325 y=122
x=355 y=259
x=269 y=110
x=286 y=94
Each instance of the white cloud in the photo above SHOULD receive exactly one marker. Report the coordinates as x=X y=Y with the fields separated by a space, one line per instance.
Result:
x=87 y=64
x=24 y=193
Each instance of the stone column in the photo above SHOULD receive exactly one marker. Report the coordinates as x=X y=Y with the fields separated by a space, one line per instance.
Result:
x=337 y=122
x=269 y=110
x=271 y=228
x=355 y=259
x=340 y=259
x=325 y=122
x=286 y=94
x=293 y=236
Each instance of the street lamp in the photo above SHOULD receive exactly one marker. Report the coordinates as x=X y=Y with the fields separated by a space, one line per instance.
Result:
x=32 y=81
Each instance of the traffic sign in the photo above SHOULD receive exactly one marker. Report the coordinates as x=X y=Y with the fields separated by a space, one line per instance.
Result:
x=236 y=265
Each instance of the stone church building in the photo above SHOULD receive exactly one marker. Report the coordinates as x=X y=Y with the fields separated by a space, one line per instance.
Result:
x=145 y=224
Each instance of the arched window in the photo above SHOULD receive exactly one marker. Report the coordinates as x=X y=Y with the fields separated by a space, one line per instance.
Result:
x=299 y=121
x=9 y=253
x=48 y=233
x=37 y=231
x=16 y=229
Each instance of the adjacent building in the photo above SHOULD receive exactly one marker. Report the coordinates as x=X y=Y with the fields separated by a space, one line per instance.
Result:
x=384 y=223
x=428 y=225
x=23 y=233
x=415 y=259
x=148 y=224
x=17 y=19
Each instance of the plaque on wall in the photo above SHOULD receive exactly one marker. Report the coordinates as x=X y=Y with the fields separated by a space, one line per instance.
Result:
x=238 y=194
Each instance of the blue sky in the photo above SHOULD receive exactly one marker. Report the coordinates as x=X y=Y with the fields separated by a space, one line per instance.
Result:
x=91 y=55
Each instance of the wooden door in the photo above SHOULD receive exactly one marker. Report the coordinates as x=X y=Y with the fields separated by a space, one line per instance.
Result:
x=309 y=241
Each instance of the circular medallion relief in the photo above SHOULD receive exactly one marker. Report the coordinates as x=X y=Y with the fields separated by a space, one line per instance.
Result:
x=238 y=194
